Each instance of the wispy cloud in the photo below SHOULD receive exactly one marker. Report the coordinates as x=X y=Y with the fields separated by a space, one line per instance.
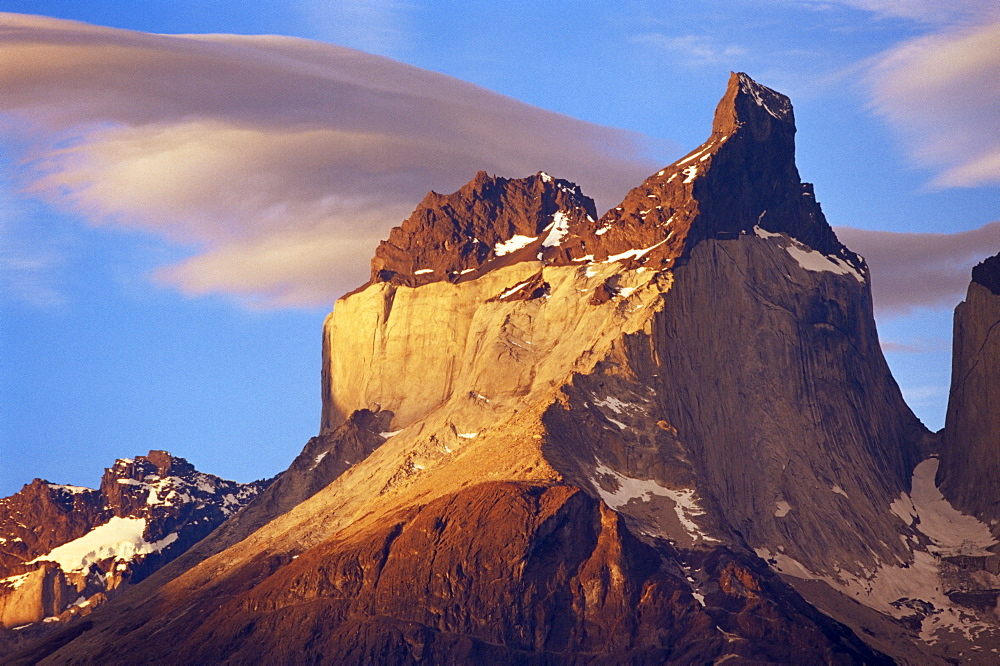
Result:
x=375 y=26
x=280 y=161
x=692 y=49
x=942 y=92
x=923 y=11
x=912 y=270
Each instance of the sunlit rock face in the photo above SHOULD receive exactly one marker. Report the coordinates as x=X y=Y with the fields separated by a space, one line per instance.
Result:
x=64 y=549
x=664 y=434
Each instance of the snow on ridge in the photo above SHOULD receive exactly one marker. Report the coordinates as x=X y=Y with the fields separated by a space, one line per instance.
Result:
x=513 y=244
x=75 y=490
x=119 y=538
x=810 y=259
x=691 y=172
x=762 y=96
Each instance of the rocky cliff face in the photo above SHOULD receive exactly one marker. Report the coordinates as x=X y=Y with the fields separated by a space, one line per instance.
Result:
x=666 y=434
x=64 y=549
x=970 y=460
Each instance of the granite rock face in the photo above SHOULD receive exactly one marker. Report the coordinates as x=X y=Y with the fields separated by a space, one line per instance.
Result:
x=970 y=460
x=662 y=435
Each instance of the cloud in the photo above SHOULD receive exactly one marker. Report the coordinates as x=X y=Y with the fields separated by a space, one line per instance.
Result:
x=375 y=26
x=692 y=49
x=942 y=93
x=923 y=11
x=280 y=162
x=912 y=270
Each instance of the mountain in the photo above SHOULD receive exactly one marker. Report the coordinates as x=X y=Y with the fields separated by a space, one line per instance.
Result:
x=662 y=434
x=65 y=549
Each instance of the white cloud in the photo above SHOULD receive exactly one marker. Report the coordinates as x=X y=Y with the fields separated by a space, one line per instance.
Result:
x=280 y=161
x=942 y=92
x=375 y=26
x=692 y=49
x=923 y=11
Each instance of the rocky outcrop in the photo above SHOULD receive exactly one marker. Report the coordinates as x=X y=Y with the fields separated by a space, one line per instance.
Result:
x=490 y=222
x=970 y=460
x=556 y=575
x=63 y=548
x=648 y=437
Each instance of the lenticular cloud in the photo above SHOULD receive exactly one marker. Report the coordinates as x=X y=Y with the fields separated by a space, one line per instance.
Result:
x=281 y=161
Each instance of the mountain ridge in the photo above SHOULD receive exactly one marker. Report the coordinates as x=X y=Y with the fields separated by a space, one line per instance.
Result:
x=666 y=434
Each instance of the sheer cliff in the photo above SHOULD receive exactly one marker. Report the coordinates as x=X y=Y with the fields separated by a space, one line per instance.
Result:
x=971 y=451
x=662 y=434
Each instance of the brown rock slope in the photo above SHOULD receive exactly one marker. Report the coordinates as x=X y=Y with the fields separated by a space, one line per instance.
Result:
x=639 y=439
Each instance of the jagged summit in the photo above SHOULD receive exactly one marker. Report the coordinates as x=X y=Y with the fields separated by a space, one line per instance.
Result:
x=490 y=221
x=667 y=435
x=64 y=549
x=987 y=273
x=744 y=177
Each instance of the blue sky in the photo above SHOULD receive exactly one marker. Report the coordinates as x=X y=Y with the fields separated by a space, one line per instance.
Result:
x=178 y=216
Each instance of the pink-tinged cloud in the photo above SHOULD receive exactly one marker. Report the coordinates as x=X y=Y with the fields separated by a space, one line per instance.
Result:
x=914 y=270
x=942 y=93
x=281 y=162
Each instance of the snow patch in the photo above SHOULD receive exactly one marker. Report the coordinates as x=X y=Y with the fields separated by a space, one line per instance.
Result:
x=119 y=538
x=513 y=290
x=317 y=460
x=782 y=508
x=423 y=271
x=630 y=489
x=512 y=245
x=76 y=490
x=467 y=435
x=558 y=229
x=781 y=107
x=612 y=403
x=16 y=580
x=387 y=435
x=837 y=489
x=925 y=508
x=633 y=254
x=893 y=590
x=810 y=259
x=691 y=172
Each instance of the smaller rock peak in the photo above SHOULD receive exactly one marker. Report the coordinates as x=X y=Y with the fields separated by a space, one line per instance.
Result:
x=987 y=273
x=488 y=221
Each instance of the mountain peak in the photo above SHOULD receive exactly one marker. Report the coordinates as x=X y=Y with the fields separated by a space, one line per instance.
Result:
x=987 y=273
x=489 y=221
x=747 y=102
